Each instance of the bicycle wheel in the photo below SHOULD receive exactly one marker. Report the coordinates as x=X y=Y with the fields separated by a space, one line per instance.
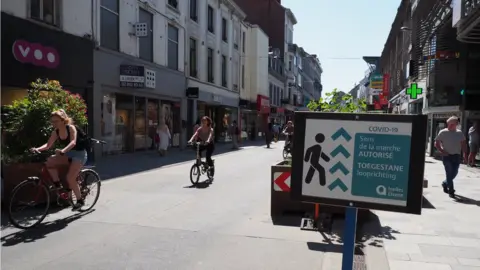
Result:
x=285 y=153
x=195 y=173
x=89 y=181
x=21 y=199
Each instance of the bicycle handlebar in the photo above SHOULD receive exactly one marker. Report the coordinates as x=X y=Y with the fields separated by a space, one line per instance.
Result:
x=97 y=141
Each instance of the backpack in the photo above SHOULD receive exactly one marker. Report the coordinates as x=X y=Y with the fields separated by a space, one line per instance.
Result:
x=83 y=140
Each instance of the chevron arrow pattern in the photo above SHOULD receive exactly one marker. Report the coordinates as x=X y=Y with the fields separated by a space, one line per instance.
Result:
x=338 y=183
x=340 y=150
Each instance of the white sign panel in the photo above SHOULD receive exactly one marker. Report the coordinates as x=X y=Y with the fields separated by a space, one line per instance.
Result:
x=357 y=161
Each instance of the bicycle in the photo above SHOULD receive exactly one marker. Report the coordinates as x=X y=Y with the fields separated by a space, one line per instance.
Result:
x=200 y=167
x=44 y=186
x=287 y=149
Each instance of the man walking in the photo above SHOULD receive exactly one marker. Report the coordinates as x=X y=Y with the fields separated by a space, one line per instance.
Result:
x=234 y=132
x=451 y=142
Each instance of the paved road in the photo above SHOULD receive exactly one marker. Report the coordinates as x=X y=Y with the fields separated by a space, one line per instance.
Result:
x=153 y=220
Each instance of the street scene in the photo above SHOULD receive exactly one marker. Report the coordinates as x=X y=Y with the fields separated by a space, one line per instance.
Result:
x=240 y=134
x=156 y=220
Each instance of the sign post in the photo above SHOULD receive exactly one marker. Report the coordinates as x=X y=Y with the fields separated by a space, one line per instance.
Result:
x=359 y=161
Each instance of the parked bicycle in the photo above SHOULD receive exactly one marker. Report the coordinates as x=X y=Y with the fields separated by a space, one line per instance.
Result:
x=43 y=187
x=200 y=167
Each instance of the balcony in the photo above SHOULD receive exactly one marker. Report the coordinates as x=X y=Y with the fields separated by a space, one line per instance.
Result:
x=468 y=26
x=286 y=101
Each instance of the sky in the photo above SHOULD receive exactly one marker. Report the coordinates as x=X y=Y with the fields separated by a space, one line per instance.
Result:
x=334 y=29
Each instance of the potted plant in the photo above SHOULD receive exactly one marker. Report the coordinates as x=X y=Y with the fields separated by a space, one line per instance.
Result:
x=280 y=201
x=26 y=124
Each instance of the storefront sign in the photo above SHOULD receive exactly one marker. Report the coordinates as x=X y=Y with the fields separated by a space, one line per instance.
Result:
x=192 y=92
x=35 y=54
x=132 y=76
x=446 y=115
x=372 y=161
x=263 y=104
x=216 y=98
x=386 y=85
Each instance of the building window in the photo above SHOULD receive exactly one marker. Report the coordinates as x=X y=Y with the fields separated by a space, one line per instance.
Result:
x=109 y=24
x=290 y=62
x=270 y=88
x=193 y=10
x=173 y=3
x=47 y=11
x=243 y=76
x=243 y=41
x=172 y=47
x=224 y=30
x=224 y=71
x=146 y=43
x=210 y=19
x=210 y=76
x=193 y=58
x=235 y=38
x=281 y=95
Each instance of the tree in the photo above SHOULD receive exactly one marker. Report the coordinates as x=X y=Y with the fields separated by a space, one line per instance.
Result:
x=338 y=101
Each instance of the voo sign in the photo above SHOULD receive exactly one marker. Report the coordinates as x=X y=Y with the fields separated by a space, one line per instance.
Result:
x=36 y=54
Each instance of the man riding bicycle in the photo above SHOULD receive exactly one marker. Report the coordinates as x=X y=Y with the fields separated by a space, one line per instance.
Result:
x=73 y=153
x=204 y=134
x=288 y=131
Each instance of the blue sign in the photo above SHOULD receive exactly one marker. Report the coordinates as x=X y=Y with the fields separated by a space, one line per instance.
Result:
x=381 y=166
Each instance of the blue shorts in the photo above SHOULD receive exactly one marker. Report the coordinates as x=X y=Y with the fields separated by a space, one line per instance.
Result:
x=80 y=156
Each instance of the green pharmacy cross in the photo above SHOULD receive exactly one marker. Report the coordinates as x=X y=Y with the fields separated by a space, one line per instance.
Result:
x=414 y=91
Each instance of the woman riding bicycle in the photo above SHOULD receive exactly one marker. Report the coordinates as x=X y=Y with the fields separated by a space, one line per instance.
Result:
x=204 y=134
x=289 y=132
x=72 y=154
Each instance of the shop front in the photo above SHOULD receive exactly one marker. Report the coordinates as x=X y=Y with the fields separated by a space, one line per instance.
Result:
x=222 y=109
x=31 y=51
x=248 y=119
x=132 y=99
x=437 y=122
x=263 y=108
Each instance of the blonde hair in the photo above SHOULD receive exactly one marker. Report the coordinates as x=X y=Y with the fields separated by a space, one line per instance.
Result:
x=63 y=115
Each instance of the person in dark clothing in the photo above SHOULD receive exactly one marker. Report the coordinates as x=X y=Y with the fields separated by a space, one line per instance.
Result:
x=269 y=134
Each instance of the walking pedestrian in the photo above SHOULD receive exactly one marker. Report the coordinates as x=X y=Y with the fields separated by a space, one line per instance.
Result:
x=164 y=138
x=234 y=132
x=451 y=142
x=473 y=143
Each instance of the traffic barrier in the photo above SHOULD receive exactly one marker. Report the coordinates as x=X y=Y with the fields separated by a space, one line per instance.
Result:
x=280 y=201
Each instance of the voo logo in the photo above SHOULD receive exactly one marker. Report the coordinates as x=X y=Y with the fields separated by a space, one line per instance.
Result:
x=36 y=54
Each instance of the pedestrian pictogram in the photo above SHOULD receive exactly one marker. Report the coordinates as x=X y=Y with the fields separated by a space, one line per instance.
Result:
x=282 y=181
x=313 y=155
x=414 y=91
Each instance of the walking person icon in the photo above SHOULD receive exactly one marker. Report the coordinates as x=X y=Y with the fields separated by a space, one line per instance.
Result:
x=313 y=155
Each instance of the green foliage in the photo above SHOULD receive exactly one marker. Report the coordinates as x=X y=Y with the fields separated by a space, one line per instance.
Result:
x=27 y=123
x=337 y=101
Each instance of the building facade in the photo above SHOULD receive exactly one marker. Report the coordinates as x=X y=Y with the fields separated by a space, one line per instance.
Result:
x=216 y=51
x=254 y=93
x=39 y=45
x=139 y=73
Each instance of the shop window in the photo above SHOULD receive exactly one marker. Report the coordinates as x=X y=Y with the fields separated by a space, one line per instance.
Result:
x=109 y=24
x=47 y=11
x=146 y=43
x=116 y=120
x=172 y=47
x=243 y=41
x=210 y=75
x=224 y=71
x=193 y=58
x=140 y=128
x=153 y=119
x=210 y=19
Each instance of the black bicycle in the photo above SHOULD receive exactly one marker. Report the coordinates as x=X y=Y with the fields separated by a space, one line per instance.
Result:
x=200 y=167
x=35 y=193
x=287 y=149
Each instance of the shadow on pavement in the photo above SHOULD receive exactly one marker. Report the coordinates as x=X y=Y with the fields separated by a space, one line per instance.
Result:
x=23 y=217
x=201 y=185
x=427 y=204
x=40 y=231
x=466 y=200
x=110 y=167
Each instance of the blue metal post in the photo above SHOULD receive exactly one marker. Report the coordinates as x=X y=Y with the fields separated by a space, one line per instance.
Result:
x=349 y=238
